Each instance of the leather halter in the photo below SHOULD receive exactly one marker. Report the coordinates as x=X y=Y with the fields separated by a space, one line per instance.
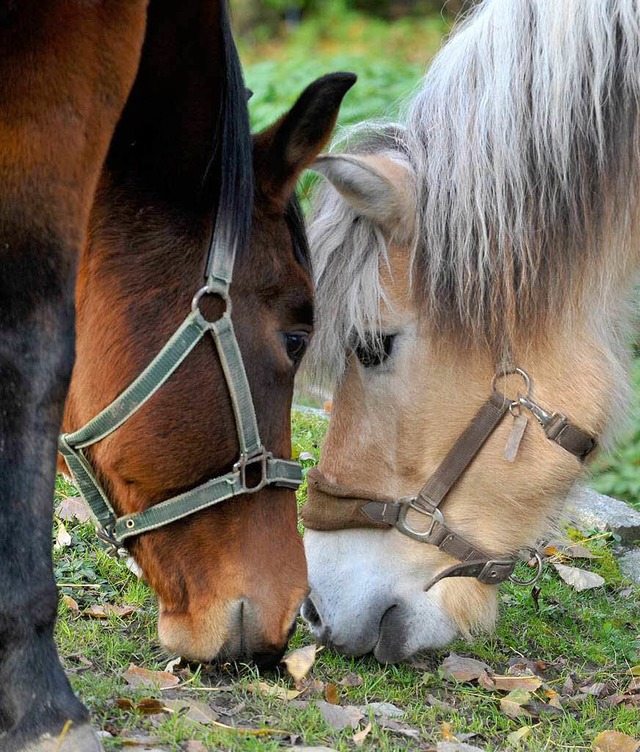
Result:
x=332 y=507
x=116 y=530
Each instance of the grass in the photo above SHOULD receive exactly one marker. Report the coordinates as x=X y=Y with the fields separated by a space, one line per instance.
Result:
x=590 y=637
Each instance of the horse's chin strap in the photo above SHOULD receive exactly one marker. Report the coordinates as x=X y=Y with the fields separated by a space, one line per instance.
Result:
x=332 y=507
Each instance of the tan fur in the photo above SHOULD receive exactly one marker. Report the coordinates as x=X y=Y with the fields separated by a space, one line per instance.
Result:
x=388 y=433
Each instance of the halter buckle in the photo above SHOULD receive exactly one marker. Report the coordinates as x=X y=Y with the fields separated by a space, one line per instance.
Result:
x=410 y=502
x=113 y=547
x=262 y=460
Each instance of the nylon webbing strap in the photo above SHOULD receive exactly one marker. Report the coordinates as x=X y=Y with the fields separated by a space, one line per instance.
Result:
x=145 y=386
x=463 y=451
x=239 y=391
x=279 y=472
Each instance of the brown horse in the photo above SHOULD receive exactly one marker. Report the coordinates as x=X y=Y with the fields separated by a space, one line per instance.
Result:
x=474 y=271
x=229 y=579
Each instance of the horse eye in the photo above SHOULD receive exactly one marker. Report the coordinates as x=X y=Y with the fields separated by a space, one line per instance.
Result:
x=296 y=344
x=374 y=351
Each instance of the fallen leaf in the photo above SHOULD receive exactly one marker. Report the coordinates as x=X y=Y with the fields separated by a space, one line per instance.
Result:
x=273 y=690
x=351 y=680
x=554 y=698
x=306 y=456
x=509 y=683
x=142 y=677
x=570 y=550
x=614 y=741
x=456 y=747
x=339 y=717
x=150 y=706
x=73 y=507
x=104 y=610
x=63 y=539
x=194 y=710
x=437 y=703
x=299 y=662
x=388 y=724
x=383 y=710
x=598 y=689
x=579 y=579
x=71 y=604
x=511 y=705
x=515 y=737
x=331 y=694
x=634 y=671
x=358 y=739
x=463 y=669
x=447 y=732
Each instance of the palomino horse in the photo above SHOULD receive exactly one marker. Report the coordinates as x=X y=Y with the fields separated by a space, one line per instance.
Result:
x=497 y=231
x=229 y=578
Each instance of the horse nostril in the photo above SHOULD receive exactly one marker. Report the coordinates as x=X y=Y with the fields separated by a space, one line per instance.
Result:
x=310 y=613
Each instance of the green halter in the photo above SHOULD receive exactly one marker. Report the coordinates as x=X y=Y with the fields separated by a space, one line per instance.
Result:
x=279 y=472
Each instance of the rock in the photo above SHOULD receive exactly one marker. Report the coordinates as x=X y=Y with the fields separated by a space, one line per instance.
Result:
x=589 y=510
x=630 y=565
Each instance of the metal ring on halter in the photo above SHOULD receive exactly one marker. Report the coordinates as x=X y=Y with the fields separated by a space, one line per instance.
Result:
x=222 y=294
x=539 y=565
x=508 y=372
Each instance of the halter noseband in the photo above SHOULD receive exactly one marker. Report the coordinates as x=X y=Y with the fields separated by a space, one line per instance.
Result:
x=332 y=507
x=116 y=530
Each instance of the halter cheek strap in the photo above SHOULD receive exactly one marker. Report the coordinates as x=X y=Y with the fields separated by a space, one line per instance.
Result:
x=332 y=507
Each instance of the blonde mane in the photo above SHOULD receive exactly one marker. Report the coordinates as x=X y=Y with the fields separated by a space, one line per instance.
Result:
x=525 y=141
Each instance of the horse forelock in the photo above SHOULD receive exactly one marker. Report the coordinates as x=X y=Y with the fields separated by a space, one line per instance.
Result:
x=235 y=205
x=525 y=141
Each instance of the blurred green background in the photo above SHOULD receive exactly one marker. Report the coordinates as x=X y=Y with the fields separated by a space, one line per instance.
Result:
x=286 y=44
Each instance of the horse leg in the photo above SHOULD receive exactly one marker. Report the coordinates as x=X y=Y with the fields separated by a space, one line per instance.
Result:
x=66 y=67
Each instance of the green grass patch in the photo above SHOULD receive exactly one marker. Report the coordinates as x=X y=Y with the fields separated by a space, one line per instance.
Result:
x=581 y=638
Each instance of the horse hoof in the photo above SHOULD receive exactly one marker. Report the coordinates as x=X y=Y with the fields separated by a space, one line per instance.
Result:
x=76 y=739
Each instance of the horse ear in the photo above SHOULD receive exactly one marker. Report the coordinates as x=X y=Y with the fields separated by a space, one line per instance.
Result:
x=289 y=146
x=378 y=187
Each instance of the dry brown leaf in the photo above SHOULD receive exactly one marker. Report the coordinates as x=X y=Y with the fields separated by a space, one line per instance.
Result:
x=331 y=694
x=358 y=739
x=351 y=680
x=104 y=610
x=273 y=690
x=456 y=747
x=439 y=704
x=509 y=683
x=598 y=689
x=570 y=550
x=511 y=705
x=615 y=741
x=299 y=662
x=579 y=579
x=553 y=698
x=515 y=737
x=150 y=706
x=142 y=677
x=447 y=733
x=71 y=604
x=73 y=508
x=194 y=710
x=463 y=669
x=63 y=539
x=339 y=717
x=402 y=729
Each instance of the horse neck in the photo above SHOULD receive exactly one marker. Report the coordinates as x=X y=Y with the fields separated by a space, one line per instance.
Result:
x=166 y=136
